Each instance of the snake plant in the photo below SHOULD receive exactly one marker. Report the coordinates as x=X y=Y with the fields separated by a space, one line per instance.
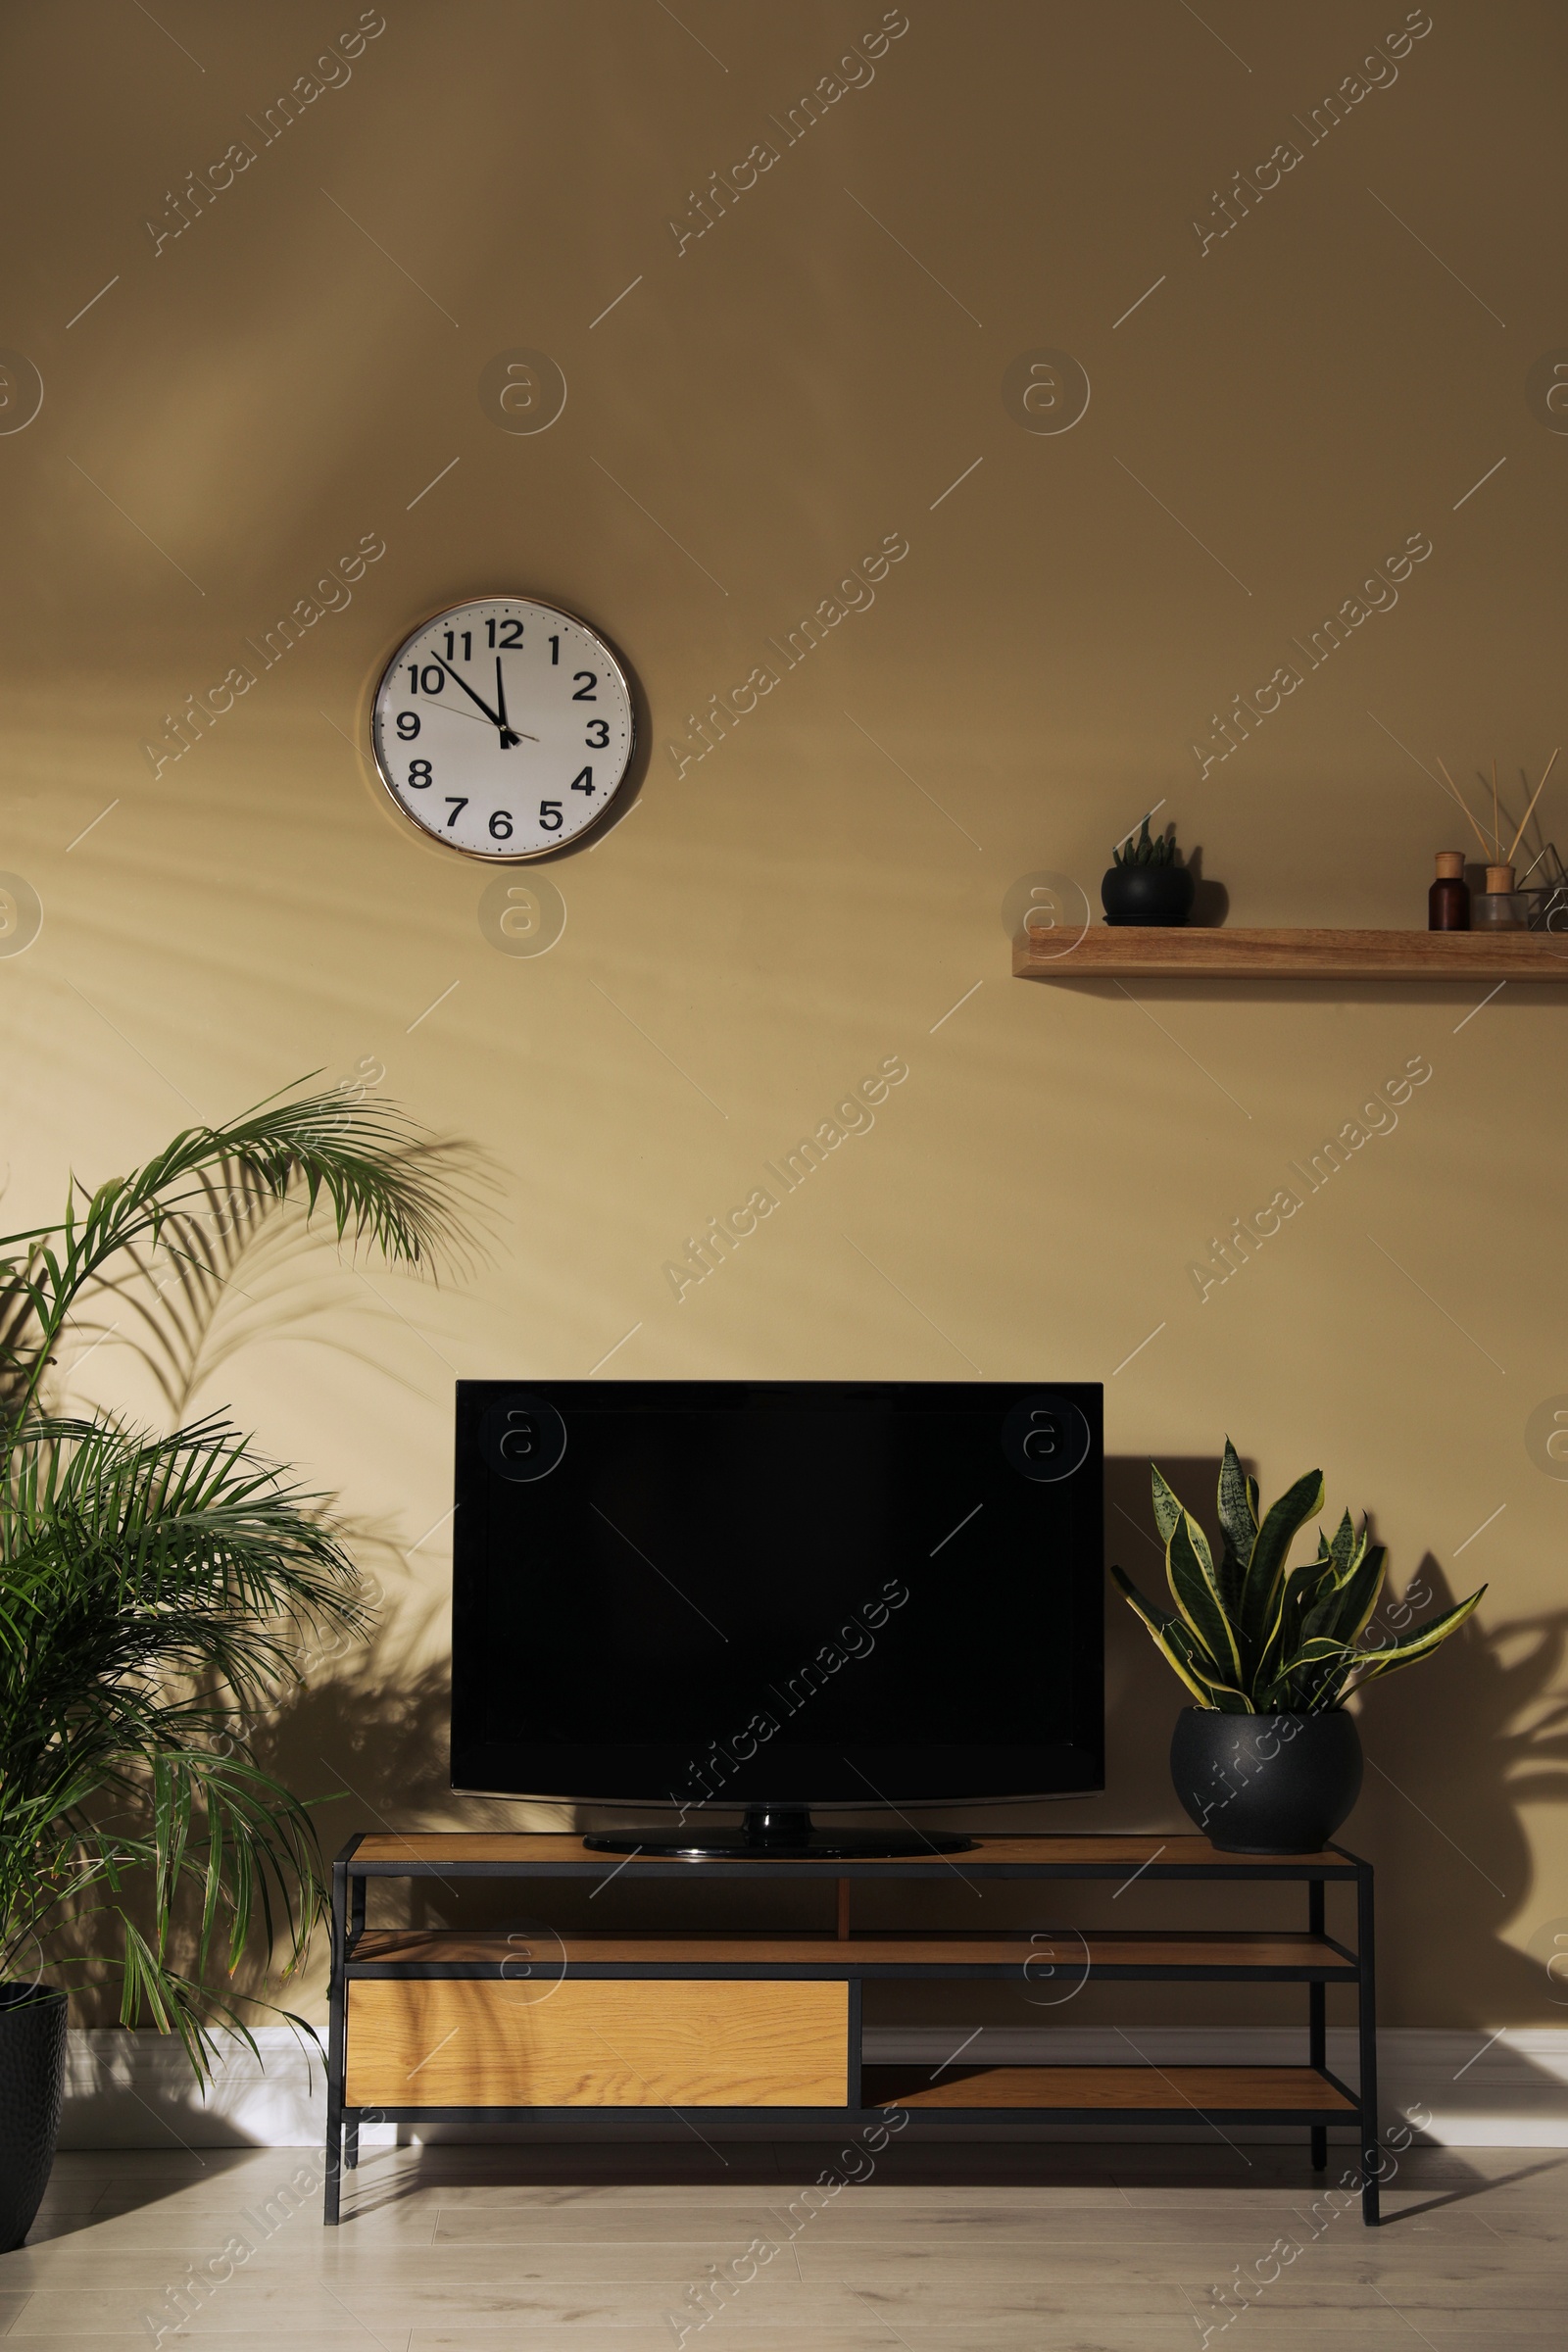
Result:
x=1252 y=1636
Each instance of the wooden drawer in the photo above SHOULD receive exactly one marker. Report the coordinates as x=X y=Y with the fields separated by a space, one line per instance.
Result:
x=472 y=2042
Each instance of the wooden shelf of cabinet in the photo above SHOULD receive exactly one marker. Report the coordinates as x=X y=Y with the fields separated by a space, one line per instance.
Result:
x=551 y=1854
x=1105 y=953
x=1232 y=2091
x=1195 y=1955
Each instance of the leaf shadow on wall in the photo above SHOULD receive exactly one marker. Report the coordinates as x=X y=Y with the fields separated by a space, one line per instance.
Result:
x=1456 y=1748
x=1456 y=1745
x=1212 y=901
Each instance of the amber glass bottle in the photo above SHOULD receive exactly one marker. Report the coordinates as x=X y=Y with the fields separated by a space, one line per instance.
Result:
x=1448 y=899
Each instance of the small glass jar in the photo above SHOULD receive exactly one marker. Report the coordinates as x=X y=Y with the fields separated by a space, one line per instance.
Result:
x=1499 y=907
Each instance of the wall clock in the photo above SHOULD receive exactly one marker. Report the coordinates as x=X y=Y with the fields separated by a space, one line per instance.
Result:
x=502 y=727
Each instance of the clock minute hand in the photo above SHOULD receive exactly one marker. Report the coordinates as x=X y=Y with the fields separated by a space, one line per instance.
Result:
x=508 y=738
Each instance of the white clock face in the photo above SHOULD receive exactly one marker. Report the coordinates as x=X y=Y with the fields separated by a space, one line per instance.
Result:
x=502 y=727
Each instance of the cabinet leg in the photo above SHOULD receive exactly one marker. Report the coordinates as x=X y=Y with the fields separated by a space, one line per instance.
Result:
x=856 y=2097
x=1366 y=2006
x=1316 y=2021
x=351 y=2143
x=335 y=2050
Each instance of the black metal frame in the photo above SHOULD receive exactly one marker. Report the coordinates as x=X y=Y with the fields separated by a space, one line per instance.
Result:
x=350 y=1880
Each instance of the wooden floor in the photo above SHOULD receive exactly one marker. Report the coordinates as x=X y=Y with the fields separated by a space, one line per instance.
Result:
x=1122 y=2249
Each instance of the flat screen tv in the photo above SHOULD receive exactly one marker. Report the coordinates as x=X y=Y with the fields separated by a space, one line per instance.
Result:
x=770 y=1597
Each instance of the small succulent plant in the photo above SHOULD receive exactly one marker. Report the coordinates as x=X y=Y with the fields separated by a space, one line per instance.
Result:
x=1160 y=851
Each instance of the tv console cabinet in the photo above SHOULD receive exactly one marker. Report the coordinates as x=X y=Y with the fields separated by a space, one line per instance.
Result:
x=447 y=2025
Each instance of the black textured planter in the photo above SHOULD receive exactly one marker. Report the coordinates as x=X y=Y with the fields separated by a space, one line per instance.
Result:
x=1158 y=895
x=32 y=2078
x=1266 y=1783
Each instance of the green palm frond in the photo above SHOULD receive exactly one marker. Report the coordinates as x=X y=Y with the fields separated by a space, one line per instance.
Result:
x=363 y=1163
x=141 y=1575
x=247 y=1267
x=162 y=1593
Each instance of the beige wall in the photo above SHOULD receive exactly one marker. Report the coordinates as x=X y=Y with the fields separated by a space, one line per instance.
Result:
x=1288 y=404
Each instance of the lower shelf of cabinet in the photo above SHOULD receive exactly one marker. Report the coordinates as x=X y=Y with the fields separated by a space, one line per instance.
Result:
x=1275 y=2091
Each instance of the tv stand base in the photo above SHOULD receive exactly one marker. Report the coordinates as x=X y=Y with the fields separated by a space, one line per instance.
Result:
x=788 y=1836
x=748 y=2025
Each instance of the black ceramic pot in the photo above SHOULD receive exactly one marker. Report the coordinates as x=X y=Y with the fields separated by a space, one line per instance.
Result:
x=1160 y=895
x=32 y=2079
x=1266 y=1783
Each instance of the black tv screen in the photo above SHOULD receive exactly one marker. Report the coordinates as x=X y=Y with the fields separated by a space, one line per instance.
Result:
x=723 y=1593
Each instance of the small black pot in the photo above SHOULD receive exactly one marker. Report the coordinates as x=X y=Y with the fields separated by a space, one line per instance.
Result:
x=1156 y=895
x=1266 y=1783
x=32 y=2080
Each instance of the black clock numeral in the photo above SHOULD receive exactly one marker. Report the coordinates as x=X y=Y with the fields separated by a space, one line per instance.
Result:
x=598 y=735
x=407 y=725
x=420 y=774
x=501 y=825
x=457 y=808
x=550 y=819
x=516 y=638
x=585 y=694
x=583 y=781
x=554 y=652
x=468 y=645
x=431 y=680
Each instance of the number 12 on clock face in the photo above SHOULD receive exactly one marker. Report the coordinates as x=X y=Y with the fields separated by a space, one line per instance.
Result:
x=502 y=727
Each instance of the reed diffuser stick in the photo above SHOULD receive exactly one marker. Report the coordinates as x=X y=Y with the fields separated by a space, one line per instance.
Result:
x=1469 y=819
x=1530 y=812
x=1496 y=834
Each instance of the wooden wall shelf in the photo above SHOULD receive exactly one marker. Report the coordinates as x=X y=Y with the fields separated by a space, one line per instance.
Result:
x=1124 y=953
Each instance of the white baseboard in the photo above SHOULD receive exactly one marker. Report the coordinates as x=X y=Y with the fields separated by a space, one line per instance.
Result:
x=1510 y=2090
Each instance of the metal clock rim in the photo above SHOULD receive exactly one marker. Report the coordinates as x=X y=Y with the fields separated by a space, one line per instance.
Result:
x=545 y=605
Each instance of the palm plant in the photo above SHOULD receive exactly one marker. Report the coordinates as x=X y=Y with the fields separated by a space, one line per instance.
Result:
x=1252 y=1636
x=156 y=1592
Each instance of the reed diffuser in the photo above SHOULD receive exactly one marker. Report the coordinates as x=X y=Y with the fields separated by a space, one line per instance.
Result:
x=1499 y=907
